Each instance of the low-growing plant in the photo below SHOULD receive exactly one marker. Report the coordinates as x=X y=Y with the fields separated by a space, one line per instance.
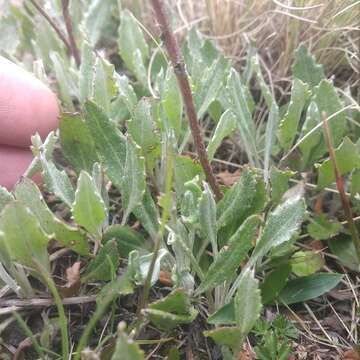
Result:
x=131 y=138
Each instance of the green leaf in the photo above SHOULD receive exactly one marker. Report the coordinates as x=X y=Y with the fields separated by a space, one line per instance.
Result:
x=110 y=143
x=304 y=263
x=289 y=124
x=57 y=181
x=23 y=237
x=126 y=92
x=305 y=67
x=147 y=214
x=274 y=282
x=239 y=106
x=328 y=101
x=104 y=86
x=207 y=217
x=89 y=209
x=186 y=169
x=355 y=183
x=272 y=126
x=308 y=287
x=229 y=259
x=86 y=75
x=5 y=197
x=134 y=182
x=281 y=225
x=97 y=18
x=64 y=80
x=105 y=264
x=343 y=248
x=347 y=158
x=211 y=82
x=173 y=310
x=77 y=143
x=132 y=39
x=126 y=239
x=142 y=128
x=172 y=101
x=224 y=316
x=28 y=193
x=126 y=348
x=279 y=183
x=313 y=146
x=226 y=336
x=246 y=197
x=322 y=229
x=247 y=303
x=224 y=128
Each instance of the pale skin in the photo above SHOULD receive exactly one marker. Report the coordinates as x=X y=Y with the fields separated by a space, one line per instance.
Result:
x=27 y=106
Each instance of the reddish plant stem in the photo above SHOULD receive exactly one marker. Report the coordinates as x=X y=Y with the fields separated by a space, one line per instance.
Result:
x=177 y=62
x=341 y=188
x=52 y=24
x=68 y=24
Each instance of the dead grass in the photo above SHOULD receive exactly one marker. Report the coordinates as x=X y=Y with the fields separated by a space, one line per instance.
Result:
x=329 y=28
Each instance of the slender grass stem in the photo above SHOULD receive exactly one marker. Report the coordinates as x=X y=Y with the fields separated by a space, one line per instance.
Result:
x=61 y=311
x=29 y=334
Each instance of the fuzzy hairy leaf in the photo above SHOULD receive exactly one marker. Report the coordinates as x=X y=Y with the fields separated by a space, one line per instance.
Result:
x=147 y=214
x=210 y=85
x=104 y=86
x=142 y=129
x=230 y=258
x=305 y=67
x=279 y=183
x=110 y=143
x=281 y=225
x=172 y=101
x=132 y=42
x=22 y=236
x=5 y=197
x=134 y=182
x=76 y=142
x=126 y=92
x=247 y=302
x=89 y=209
x=86 y=75
x=328 y=102
x=347 y=158
x=224 y=128
x=245 y=198
x=207 y=217
x=239 y=106
x=28 y=193
x=289 y=124
x=57 y=181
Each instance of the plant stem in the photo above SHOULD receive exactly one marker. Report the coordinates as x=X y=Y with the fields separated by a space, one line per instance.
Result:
x=68 y=24
x=143 y=301
x=60 y=307
x=177 y=62
x=52 y=24
x=340 y=186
